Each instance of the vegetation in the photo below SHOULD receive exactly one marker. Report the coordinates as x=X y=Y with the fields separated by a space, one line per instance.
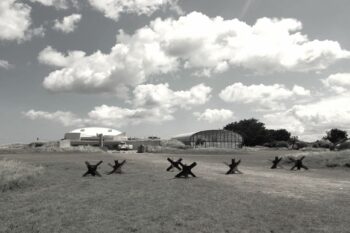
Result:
x=336 y=135
x=322 y=159
x=254 y=133
x=278 y=135
x=14 y=174
x=146 y=198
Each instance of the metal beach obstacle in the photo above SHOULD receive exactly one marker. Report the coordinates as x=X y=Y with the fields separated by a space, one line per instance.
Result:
x=92 y=169
x=298 y=164
x=117 y=167
x=233 y=167
x=186 y=170
x=275 y=162
x=174 y=164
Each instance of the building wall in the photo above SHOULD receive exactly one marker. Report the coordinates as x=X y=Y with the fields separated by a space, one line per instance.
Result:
x=213 y=138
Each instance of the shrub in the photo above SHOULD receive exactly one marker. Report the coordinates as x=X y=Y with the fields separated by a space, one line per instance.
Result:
x=343 y=146
x=322 y=144
x=281 y=144
x=300 y=144
x=14 y=174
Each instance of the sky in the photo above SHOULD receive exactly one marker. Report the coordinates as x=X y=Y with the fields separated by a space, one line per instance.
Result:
x=168 y=67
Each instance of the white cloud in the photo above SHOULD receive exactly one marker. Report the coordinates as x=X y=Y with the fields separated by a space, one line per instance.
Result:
x=5 y=64
x=215 y=115
x=266 y=97
x=300 y=91
x=113 y=8
x=313 y=119
x=15 y=20
x=52 y=57
x=59 y=4
x=128 y=64
x=197 y=42
x=65 y=118
x=267 y=46
x=68 y=23
x=161 y=95
x=113 y=115
x=104 y=115
x=339 y=82
x=152 y=103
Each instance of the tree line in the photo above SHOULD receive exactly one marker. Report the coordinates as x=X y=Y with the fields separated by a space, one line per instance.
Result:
x=255 y=133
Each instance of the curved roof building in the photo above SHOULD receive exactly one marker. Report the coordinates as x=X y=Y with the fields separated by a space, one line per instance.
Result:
x=94 y=131
x=212 y=138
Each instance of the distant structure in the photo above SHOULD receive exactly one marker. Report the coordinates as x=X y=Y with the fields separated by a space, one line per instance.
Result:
x=105 y=137
x=212 y=138
x=95 y=136
x=91 y=133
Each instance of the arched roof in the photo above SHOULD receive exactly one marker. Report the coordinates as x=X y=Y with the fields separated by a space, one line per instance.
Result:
x=94 y=131
x=215 y=131
x=188 y=137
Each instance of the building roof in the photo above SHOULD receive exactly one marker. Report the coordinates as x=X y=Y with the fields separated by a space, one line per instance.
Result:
x=94 y=131
x=187 y=136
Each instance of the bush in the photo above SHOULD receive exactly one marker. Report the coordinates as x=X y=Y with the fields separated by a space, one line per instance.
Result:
x=323 y=144
x=281 y=144
x=343 y=146
x=300 y=145
x=14 y=174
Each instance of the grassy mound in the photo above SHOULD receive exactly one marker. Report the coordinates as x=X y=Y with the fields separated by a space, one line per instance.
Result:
x=15 y=174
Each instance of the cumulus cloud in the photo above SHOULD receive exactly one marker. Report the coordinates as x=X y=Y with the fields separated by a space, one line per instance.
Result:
x=113 y=8
x=339 y=82
x=151 y=95
x=197 y=42
x=113 y=115
x=65 y=118
x=215 y=115
x=313 y=119
x=104 y=115
x=68 y=23
x=151 y=103
x=50 y=56
x=5 y=64
x=269 y=45
x=58 y=4
x=15 y=20
x=267 y=97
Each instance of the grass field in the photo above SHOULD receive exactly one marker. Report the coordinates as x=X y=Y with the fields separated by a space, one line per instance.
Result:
x=147 y=199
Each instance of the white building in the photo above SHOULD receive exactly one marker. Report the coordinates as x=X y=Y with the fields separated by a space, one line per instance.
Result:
x=93 y=134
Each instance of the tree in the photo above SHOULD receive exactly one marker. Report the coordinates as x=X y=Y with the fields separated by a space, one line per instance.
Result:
x=293 y=140
x=278 y=135
x=253 y=132
x=336 y=135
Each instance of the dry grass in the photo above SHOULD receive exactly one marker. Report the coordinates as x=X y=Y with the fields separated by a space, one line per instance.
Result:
x=47 y=147
x=147 y=199
x=323 y=158
x=14 y=174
